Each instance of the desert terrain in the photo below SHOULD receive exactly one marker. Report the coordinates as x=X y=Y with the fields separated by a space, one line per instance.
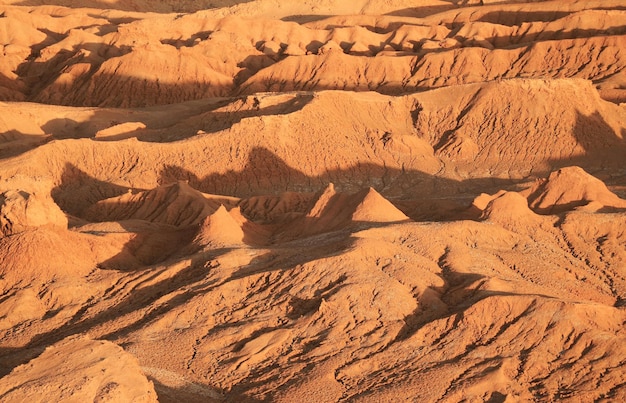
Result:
x=317 y=201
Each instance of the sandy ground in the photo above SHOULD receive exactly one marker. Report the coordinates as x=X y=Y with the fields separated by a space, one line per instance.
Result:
x=320 y=201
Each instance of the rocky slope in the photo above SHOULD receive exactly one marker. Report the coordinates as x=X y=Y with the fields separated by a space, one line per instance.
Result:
x=260 y=201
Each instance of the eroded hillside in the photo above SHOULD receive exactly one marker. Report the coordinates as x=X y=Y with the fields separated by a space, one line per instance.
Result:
x=260 y=201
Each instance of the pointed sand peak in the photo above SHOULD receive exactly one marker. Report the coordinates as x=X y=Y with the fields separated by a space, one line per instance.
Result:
x=373 y=207
x=219 y=229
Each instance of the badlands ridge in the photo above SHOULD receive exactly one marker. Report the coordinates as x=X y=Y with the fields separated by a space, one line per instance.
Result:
x=317 y=201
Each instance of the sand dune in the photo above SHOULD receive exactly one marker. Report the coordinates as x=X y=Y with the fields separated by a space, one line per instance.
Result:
x=312 y=201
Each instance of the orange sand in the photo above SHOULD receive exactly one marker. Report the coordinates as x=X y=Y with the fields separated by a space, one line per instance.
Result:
x=317 y=201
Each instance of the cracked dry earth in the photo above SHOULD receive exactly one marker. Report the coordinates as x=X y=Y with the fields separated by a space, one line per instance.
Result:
x=322 y=201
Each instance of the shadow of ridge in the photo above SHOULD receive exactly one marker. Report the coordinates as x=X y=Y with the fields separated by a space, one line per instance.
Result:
x=10 y=358
x=518 y=17
x=77 y=190
x=97 y=89
x=212 y=122
x=528 y=39
x=43 y=74
x=511 y=18
x=267 y=173
x=147 y=248
x=10 y=90
x=417 y=79
x=419 y=317
x=145 y=124
x=113 y=20
x=603 y=157
x=424 y=11
x=14 y=143
x=148 y=124
x=305 y=18
x=147 y=7
x=190 y=42
x=65 y=128
x=193 y=392
x=604 y=147
x=459 y=292
x=39 y=74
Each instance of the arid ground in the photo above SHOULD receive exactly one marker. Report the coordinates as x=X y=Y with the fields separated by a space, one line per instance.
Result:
x=312 y=201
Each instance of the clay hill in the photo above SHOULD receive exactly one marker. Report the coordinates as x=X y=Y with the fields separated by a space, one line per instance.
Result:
x=324 y=201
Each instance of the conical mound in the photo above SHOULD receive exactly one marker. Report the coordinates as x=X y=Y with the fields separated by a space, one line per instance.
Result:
x=375 y=208
x=219 y=229
x=568 y=188
x=332 y=210
x=366 y=205
x=510 y=210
